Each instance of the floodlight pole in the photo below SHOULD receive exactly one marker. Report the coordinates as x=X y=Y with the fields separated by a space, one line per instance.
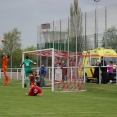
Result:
x=52 y=69
x=10 y=53
x=105 y=38
x=22 y=71
x=11 y=64
x=75 y=30
x=55 y=30
x=53 y=34
x=96 y=26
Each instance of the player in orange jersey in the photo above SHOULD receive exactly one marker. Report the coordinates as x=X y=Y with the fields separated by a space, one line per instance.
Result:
x=5 y=59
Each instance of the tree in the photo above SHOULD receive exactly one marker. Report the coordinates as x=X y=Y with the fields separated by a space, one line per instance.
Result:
x=17 y=58
x=12 y=42
x=17 y=55
x=30 y=48
x=110 y=38
x=76 y=27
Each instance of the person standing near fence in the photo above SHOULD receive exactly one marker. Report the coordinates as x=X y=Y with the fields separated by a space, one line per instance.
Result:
x=96 y=71
x=103 y=65
x=55 y=66
x=110 y=70
x=64 y=71
x=28 y=70
x=5 y=59
x=42 y=73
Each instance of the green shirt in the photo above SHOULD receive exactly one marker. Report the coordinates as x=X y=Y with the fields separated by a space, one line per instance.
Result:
x=27 y=63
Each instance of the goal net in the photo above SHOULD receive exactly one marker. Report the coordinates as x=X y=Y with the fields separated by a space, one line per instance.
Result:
x=64 y=69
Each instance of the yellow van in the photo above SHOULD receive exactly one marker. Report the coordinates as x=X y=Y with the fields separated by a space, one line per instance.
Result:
x=91 y=56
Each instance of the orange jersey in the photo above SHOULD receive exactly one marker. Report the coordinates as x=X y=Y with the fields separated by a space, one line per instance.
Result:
x=5 y=61
x=4 y=64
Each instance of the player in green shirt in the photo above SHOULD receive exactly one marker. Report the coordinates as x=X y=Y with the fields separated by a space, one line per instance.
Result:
x=28 y=70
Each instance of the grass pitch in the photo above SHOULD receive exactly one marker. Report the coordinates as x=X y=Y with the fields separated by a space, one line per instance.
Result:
x=97 y=101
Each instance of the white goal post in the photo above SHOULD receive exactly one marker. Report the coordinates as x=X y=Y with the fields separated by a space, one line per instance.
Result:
x=69 y=75
x=37 y=53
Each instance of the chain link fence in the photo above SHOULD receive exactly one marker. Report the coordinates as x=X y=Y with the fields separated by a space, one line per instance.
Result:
x=95 y=28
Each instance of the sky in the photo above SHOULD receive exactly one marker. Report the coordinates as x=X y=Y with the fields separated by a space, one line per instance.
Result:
x=26 y=15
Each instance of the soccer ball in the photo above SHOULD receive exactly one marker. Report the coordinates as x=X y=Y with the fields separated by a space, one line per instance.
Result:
x=2 y=40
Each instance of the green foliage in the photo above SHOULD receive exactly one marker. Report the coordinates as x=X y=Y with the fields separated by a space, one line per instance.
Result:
x=12 y=41
x=75 y=6
x=97 y=101
x=72 y=44
x=76 y=27
x=16 y=58
x=12 y=47
x=110 y=38
x=30 y=48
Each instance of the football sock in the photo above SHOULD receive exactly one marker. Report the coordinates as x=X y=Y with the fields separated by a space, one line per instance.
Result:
x=27 y=81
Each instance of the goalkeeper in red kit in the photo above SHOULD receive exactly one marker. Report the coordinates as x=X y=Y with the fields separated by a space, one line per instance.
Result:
x=34 y=91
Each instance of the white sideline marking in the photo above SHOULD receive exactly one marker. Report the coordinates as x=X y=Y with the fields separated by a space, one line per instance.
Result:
x=84 y=96
x=72 y=91
x=65 y=113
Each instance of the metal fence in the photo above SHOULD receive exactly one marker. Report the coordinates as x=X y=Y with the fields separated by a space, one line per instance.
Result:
x=13 y=73
x=95 y=23
x=16 y=73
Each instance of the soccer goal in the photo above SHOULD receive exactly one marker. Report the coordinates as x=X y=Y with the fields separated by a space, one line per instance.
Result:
x=63 y=73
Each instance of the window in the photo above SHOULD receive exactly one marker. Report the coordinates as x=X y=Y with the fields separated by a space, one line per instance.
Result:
x=93 y=61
